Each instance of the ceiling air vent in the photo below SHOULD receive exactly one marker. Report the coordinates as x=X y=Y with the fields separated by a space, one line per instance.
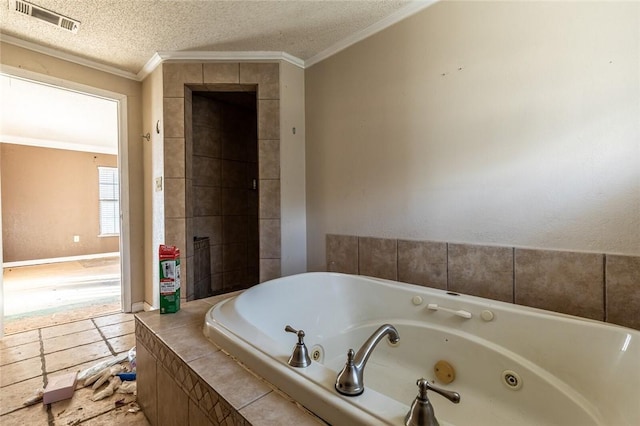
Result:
x=30 y=9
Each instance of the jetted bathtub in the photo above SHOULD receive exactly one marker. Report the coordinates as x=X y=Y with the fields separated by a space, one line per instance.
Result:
x=513 y=365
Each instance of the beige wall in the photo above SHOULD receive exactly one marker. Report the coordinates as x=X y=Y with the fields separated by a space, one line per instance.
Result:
x=53 y=68
x=481 y=122
x=153 y=169
x=50 y=195
x=292 y=170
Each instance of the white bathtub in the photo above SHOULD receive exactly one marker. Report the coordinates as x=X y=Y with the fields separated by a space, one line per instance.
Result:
x=572 y=371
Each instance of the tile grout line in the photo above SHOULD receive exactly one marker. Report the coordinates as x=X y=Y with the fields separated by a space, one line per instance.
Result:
x=113 y=353
x=45 y=379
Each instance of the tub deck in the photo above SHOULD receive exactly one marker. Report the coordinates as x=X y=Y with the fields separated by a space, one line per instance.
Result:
x=183 y=378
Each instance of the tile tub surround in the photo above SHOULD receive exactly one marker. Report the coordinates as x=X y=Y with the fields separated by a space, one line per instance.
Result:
x=603 y=287
x=180 y=140
x=183 y=378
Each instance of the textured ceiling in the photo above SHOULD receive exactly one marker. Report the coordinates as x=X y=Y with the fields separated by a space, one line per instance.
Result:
x=126 y=34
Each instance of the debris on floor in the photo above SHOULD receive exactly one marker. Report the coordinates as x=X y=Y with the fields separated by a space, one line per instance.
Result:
x=35 y=398
x=60 y=387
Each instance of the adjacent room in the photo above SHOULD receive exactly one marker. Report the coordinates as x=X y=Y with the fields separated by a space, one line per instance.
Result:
x=60 y=212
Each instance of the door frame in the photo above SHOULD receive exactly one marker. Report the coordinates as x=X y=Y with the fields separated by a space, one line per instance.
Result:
x=123 y=172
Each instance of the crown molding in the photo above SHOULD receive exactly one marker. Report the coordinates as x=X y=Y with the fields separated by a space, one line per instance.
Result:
x=66 y=56
x=195 y=55
x=407 y=11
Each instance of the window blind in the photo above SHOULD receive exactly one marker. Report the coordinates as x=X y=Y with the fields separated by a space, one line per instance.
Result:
x=109 y=201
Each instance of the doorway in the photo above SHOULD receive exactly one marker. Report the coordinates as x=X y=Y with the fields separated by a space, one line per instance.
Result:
x=224 y=191
x=62 y=268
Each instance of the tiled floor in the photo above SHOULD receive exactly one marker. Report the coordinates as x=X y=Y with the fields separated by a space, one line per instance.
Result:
x=30 y=358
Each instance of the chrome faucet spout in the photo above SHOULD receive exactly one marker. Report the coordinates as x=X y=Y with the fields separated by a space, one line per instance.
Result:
x=350 y=380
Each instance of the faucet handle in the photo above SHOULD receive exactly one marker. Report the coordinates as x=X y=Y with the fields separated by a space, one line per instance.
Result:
x=300 y=357
x=300 y=333
x=421 y=412
x=424 y=386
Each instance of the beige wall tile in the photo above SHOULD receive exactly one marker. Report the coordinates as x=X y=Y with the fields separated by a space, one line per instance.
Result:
x=269 y=201
x=173 y=403
x=234 y=229
x=269 y=159
x=481 y=271
x=207 y=171
x=197 y=417
x=269 y=238
x=222 y=73
x=174 y=163
x=176 y=75
x=186 y=284
x=175 y=232
x=269 y=269
x=188 y=206
x=378 y=257
x=234 y=256
x=342 y=253
x=234 y=202
x=174 y=196
x=207 y=201
x=209 y=226
x=623 y=290
x=173 y=117
x=268 y=119
x=265 y=75
x=423 y=262
x=571 y=283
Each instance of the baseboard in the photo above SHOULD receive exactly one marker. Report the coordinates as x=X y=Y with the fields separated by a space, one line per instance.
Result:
x=148 y=307
x=138 y=306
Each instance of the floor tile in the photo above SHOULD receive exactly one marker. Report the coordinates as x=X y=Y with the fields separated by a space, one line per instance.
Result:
x=19 y=371
x=112 y=319
x=123 y=343
x=12 y=396
x=120 y=416
x=19 y=339
x=62 y=329
x=67 y=341
x=75 y=356
x=116 y=330
x=19 y=353
x=35 y=415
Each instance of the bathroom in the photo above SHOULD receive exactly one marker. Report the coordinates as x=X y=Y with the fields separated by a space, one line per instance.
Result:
x=504 y=136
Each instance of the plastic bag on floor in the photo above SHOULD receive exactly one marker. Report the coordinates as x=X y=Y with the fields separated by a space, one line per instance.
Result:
x=132 y=358
x=91 y=371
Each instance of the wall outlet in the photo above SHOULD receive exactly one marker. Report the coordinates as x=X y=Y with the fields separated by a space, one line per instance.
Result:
x=159 y=184
x=76 y=238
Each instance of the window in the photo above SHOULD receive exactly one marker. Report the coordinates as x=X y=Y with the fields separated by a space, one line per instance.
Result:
x=109 y=201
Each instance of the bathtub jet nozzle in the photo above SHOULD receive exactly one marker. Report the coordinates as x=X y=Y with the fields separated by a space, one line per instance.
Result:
x=300 y=357
x=350 y=381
